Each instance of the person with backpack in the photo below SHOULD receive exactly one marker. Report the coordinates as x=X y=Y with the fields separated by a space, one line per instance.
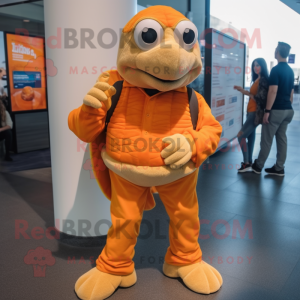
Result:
x=152 y=139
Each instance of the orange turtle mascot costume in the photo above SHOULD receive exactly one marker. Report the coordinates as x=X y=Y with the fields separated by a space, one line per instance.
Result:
x=150 y=143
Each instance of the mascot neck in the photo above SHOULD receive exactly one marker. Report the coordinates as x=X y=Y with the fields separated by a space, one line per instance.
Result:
x=151 y=92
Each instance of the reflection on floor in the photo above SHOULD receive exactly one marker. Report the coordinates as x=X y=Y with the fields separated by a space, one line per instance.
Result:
x=263 y=262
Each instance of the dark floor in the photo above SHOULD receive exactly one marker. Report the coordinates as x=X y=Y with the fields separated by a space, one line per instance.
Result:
x=269 y=205
x=27 y=161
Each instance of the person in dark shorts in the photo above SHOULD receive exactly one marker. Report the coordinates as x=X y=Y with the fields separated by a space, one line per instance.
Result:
x=278 y=113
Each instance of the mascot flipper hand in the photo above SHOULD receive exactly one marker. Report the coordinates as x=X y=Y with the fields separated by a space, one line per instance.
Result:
x=101 y=92
x=157 y=133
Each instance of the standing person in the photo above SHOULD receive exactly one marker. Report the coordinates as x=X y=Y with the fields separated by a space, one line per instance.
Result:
x=2 y=74
x=6 y=125
x=278 y=113
x=255 y=110
x=3 y=94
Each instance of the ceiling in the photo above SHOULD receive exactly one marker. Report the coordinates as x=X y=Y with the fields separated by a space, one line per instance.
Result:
x=33 y=11
x=8 y=2
x=293 y=4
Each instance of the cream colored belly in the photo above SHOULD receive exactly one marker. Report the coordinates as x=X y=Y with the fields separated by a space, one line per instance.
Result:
x=147 y=176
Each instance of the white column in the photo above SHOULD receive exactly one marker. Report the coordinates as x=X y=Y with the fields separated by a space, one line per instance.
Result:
x=77 y=195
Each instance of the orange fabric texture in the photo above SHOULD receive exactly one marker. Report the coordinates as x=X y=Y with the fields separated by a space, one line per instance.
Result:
x=252 y=103
x=127 y=205
x=165 y=15
x=139 y=123
x=153 y=190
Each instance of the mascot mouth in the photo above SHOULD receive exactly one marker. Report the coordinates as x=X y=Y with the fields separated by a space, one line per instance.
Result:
x=162 y=80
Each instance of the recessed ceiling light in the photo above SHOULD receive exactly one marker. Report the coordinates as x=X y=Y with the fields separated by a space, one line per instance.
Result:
x=27 y=21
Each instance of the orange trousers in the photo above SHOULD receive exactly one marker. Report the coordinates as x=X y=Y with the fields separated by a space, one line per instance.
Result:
x=127 y=205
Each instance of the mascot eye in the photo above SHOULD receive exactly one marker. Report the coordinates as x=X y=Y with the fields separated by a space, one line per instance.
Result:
x=189 y=36
x=148 y=34
x=186 y=34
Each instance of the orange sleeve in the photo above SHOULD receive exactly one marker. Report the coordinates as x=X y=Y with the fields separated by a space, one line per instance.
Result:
x=206 y=137
x=87 y=122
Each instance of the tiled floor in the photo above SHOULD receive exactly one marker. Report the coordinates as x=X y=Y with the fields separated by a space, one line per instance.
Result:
x=262 y=262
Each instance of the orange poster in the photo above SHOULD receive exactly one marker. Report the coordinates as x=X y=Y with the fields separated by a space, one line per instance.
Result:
x=27 y=76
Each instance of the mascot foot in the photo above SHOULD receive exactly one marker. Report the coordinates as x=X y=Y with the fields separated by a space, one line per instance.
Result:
x=96 y=285
x=200 y=277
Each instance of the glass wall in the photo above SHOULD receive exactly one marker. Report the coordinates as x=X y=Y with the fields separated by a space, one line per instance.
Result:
x=261 y=24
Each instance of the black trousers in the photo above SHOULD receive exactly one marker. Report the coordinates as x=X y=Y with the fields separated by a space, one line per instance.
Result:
x=7 y=136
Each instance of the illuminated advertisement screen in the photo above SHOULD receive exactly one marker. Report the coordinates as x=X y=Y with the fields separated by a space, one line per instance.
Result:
x=27 y=76
x=227 y=69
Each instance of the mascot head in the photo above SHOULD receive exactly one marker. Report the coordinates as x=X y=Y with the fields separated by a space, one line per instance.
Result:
x=159 y=49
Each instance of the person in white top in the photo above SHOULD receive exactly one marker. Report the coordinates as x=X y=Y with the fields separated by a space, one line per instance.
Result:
x=6 y=126
x=2 y=74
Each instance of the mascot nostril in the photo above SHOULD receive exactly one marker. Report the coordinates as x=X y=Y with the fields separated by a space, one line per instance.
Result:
x=157 y=134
